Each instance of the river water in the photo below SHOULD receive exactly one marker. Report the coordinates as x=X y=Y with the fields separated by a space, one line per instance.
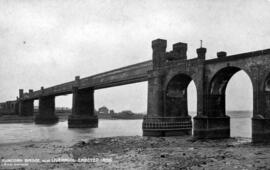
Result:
x=23 y=132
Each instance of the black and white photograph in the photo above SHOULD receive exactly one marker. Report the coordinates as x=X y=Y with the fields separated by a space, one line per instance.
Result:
x=125 y=84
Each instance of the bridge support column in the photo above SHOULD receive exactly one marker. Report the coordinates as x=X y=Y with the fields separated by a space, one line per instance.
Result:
x=215 y=124
x=157 y=123
x=261 y=110
x=260 y=129
x=26 y=107
x=211 y=127
x=83 y=112
x=46 y=113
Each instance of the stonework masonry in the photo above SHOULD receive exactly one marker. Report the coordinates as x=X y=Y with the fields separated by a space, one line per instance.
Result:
x=168 y=75
x=83 y=111
x=46 y=113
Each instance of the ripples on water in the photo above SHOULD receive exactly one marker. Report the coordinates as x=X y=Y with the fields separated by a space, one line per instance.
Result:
x=19 y=132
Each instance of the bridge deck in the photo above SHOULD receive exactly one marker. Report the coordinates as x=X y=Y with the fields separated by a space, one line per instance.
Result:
x=125 y=75
x=239 y=56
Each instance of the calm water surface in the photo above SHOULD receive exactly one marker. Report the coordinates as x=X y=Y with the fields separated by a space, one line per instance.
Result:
x=19 y=132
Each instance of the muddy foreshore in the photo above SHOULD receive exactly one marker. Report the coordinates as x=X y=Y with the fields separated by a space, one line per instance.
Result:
x=137 y=153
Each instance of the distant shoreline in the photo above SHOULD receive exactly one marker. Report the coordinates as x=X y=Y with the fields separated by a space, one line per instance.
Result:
x=64 y=116
x=30 y=119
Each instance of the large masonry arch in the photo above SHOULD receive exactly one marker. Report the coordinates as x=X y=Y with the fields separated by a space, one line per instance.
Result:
x=217 y=101
x=176 y=101
x=217 y=90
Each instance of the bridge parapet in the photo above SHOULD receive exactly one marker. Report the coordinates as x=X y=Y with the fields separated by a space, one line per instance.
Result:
x=186 y=64
x=224 y=57
x=59 y=89
x=54 y=91
x=125 y=75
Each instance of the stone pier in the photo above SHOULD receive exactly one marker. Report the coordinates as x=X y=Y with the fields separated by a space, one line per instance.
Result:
x=167 y=113
x=260 y=129
x=261 y=109
x=46 y=113
x=211 y=127
x=83 y=112
x=215 y=124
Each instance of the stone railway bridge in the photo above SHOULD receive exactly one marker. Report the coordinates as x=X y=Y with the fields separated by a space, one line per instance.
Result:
x=168 y=75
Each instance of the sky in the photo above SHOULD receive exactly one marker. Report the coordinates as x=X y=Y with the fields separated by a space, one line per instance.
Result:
x=45 y=43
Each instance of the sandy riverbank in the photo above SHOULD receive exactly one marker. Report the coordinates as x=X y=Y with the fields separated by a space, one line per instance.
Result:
x=139 y=153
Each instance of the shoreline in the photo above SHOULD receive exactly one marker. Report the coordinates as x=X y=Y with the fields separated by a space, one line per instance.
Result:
x=63 y=116
x=30 y=119
x=137 y=152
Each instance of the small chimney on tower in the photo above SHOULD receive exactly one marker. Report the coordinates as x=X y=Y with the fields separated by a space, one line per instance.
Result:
x=201 y=51
x=20 y=93
x=221 y=54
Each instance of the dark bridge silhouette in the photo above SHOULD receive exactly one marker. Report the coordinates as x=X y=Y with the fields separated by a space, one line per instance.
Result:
x=168 y=75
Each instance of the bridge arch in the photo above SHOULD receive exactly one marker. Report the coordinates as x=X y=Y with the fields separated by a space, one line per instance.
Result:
x=218 y=101
x=217 y=89
x=176 y=98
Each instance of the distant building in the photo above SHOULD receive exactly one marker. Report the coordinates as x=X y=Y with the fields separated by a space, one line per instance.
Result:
x=126 y=112
x=8 y=107
x=103 y=110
